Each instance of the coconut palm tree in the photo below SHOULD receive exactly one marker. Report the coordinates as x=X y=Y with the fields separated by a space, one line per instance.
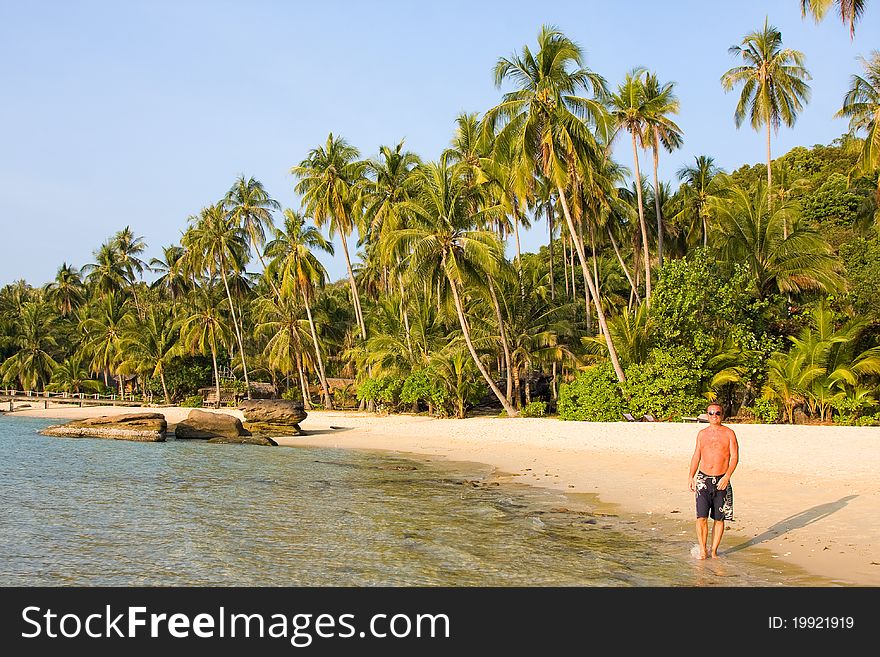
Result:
x=861 y=105
x=660 y=131
x=280 y=319
x=32 y=363
x=747 y=231
x=72 y=377
x=147 y=347
x=102 y=328
x=441 y=242
x=171 y=266
x=107 y=275
x=66 y=292
x=250 y=206
x=774 y=84
x=300 y=273
x=702 y=183
x=789 y=378
x=329 y=182
x=546 y=118
x=203 y=329
x=631 y=110
x=850 y=11
x=219 y=244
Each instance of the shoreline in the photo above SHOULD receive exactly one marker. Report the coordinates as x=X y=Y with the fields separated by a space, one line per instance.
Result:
x=802 y=493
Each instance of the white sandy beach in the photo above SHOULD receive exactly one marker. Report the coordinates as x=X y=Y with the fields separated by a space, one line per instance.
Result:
x=803 y=493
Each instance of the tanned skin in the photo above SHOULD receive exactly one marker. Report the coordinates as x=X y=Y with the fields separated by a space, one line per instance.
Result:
x=716 y=454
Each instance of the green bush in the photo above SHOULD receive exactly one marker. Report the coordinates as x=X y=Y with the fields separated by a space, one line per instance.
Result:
x=292 y=394
x=593 y=396
x=851 y=410
x=184 y=376
x=666 y=386
x=422 y=386
x=534 y=409
x=765 y=411
x=195 y=401
x=384 y=391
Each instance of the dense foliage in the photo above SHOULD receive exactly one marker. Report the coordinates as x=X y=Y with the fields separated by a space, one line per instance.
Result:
x=755 y=288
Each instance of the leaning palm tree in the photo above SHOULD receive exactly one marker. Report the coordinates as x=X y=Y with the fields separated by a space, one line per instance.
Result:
x=861 y=106
x=850 y=11
x=774 y=84
x=548 y=120
x=300 y=273
x=220 y=246
x=329 y=181
x=441 y=243
x=661 y=131
x=631 y=110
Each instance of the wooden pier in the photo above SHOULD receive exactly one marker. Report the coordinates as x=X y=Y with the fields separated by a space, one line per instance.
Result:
x=12 y=400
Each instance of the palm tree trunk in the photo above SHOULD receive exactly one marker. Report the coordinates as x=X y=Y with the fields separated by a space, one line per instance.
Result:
x=642 y=224
x=585 y=273
x=164 y=387
x=359 y=314
x=503 y=333
x=404 y=308
x=216 y=370
x=550 y=228
x=517 y=389
x=247 y=383
x=328 y=403
x=511 y=411
x=565 y=266
x=770 y=186
x=612 y=352
x=307 y=400
x=657 y=198
x=622 y=263
x=595 y=260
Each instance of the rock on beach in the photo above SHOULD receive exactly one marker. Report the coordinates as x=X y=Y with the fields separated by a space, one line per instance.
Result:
x=140 y=427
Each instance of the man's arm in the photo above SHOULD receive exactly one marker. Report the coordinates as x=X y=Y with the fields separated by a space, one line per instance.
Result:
x=732 y=463
x=695 y=463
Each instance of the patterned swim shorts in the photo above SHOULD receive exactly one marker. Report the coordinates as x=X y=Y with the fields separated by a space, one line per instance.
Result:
x=711 y=502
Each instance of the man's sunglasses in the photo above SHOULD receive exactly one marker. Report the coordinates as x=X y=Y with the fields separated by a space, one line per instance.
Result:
x=714 y=413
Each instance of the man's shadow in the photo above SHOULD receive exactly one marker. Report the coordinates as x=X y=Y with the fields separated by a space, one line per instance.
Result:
x=796 y=521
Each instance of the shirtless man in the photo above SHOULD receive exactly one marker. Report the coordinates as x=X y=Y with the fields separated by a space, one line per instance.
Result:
x=712 y=464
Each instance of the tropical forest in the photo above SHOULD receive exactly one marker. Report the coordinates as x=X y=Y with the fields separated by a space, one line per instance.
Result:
x=754 y=287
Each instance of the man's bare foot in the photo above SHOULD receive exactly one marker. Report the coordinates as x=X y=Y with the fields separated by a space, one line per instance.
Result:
x=714 y=555
x=702 y=554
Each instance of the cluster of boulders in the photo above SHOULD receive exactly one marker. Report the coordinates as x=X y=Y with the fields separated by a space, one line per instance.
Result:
x=264 y=419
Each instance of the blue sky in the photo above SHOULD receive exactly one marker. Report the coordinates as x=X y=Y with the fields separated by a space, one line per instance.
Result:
x=141 y=113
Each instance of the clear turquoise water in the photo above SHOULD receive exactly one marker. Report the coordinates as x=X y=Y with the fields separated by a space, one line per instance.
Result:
x=79 y=511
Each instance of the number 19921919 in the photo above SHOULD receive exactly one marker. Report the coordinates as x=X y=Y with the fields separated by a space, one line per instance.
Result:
x=811 y=623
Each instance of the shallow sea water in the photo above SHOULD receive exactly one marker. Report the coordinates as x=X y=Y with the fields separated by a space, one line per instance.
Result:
x=90 y=512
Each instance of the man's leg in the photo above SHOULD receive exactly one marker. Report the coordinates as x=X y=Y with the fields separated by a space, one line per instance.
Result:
x=702 y=535
x=717 y=533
